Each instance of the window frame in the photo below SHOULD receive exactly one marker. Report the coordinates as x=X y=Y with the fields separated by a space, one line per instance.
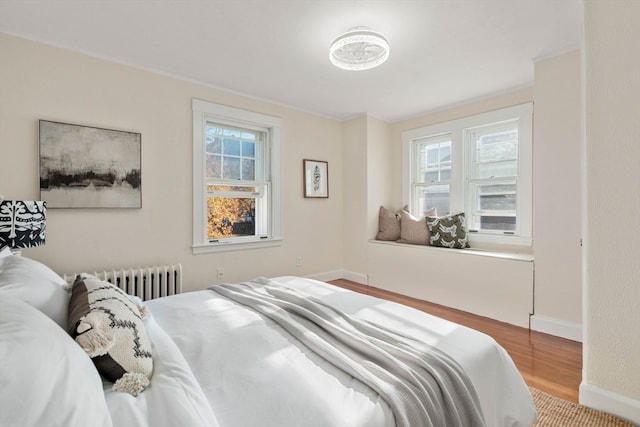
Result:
x=418 y=183
x=461 y=198
x=204 y=112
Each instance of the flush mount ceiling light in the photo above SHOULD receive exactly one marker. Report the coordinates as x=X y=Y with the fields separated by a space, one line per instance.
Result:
x=359 y=49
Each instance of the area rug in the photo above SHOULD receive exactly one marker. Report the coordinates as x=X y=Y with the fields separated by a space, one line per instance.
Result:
x=556 y=412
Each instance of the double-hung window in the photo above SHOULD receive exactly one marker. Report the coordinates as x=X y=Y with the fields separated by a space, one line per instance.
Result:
x=236 y=178
x=432 y=184
x=479 y=165
x=493 y=178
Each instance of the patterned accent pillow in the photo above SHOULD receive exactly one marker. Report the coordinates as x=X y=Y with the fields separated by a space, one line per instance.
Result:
x=448 y=231
x=388 y=225
x=108 y=325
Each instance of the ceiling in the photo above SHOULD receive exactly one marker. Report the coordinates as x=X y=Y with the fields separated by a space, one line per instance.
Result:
x=443 y=52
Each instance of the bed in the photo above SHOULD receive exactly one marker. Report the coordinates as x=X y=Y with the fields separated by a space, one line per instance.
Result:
x=219 y=361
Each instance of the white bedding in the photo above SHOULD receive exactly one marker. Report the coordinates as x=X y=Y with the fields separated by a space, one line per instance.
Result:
x=255 y=374
x=219 y=364
x=174 y=397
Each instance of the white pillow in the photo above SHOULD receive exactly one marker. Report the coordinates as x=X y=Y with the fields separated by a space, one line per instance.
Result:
x=45 y=377
x=6 y=251
x=36 y=284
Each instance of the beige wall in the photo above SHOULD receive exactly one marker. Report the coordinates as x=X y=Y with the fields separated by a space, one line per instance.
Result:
x=42 y=82
x=381 y=176
x=557 y=194
x=475 y=107
x=354 y=136
x=611 y=378
x=368 y=183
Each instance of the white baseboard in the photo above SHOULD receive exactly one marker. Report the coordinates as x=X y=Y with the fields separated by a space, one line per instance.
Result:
x=340 y=274
x=614 y=404
x=327 y=276
x=559 y=328
x=363 y=279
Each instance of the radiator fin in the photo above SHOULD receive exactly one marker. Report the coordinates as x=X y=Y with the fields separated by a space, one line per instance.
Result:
x=144 y=282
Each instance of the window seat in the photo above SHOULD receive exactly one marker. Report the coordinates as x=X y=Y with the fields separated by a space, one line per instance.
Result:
x=507 y=254
x=489 y=283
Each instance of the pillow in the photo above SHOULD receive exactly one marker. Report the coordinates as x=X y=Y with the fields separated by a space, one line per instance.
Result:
x=6 y=251
x=108 y=325
x=37 y=285
x=448 y=231
x=45 y=378
x=413 y=230
x=388 y=225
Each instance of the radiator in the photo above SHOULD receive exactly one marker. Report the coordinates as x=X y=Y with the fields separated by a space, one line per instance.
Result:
x=144 y=282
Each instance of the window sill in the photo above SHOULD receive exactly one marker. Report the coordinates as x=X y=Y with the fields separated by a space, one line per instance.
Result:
x=494 y=253
x=237 y=246
x=498 y=240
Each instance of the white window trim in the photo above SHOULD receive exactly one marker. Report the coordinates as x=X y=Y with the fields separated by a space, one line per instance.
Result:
x=460 y=156
x=204 y=111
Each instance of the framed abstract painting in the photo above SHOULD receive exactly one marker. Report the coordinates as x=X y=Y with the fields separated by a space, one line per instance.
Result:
x=89 y=167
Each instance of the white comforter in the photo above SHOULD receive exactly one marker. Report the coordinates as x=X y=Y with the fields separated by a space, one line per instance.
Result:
x=252 y=373
x=174 y=397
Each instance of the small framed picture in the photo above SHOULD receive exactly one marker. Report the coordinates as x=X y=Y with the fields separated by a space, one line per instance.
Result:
x=316 y=178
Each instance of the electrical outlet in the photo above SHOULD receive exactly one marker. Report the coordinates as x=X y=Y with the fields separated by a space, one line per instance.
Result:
x=299 y=261
x=220 y=274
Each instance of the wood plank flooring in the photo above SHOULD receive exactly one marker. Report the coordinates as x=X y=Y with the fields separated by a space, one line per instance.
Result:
x=546 y=362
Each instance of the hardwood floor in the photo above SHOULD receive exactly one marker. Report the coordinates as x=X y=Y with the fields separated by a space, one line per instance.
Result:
x=546 y=362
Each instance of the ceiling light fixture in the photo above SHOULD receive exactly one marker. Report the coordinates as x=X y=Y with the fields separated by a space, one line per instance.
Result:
x=359 y=49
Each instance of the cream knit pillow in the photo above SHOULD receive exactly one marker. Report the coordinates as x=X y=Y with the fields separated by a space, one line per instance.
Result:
x=108 y=325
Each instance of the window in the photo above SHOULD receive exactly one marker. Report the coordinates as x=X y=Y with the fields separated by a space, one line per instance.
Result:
x=479 y=165
x=493 y=178
x=433 y=174
x=235 y=178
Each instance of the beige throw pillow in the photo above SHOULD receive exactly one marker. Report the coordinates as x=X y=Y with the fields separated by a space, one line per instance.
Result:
x=414 y=230
x=388 y=225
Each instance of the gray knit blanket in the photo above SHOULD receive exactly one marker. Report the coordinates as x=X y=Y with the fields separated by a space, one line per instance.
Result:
x=422 y=385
